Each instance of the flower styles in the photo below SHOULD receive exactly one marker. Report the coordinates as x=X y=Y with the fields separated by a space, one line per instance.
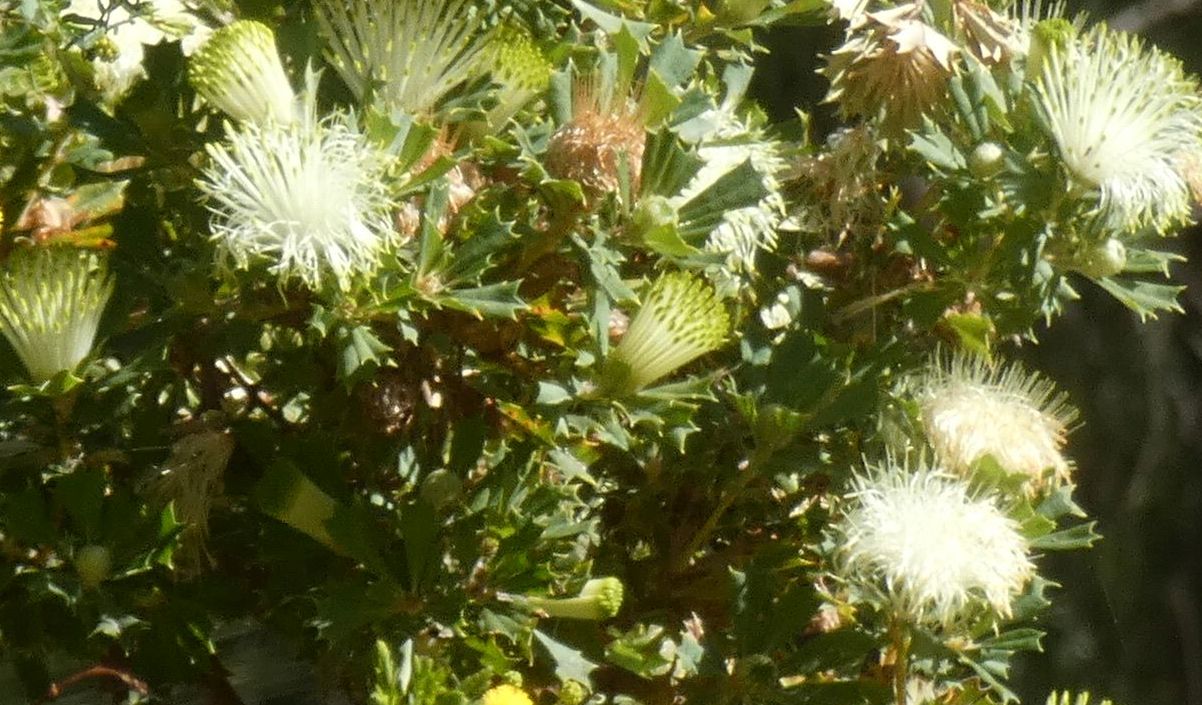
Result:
x=1125 y=121
x=238 y=70
x=938 y=554
x=51 y=301
x=307 y=197
x=680 y=320
x=972 y=409
x=407 y=54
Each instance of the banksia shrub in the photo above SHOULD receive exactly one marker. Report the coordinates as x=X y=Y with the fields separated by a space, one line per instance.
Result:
x=497 y=353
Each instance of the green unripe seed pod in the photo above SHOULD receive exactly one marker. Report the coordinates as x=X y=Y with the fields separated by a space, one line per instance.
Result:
x=93 y=564
x=441 y=488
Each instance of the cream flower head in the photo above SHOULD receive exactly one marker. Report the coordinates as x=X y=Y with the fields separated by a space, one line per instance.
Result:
x=1126 y=121
x=745 y=231
x=938 y=554
x=680 y=320
x=307 y=198
x=972 y=409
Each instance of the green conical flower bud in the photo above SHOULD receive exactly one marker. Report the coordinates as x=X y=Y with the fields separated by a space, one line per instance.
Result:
x=680 y=320
x=519 y=69
x=238 y=71
x=51 y=299
x=600 y=598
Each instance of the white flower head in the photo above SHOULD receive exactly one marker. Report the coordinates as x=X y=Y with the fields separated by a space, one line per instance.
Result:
x=238 y=70
x=406 y=54
x=1125 y=120
x=129 y=32
x=937 y=554
x=306 y=197
x=745 y=231
x=51 y=300
x=680 y=320
x=972 y=409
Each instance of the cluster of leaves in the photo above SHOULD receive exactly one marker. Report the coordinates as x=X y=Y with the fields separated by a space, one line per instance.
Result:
x=387 y=476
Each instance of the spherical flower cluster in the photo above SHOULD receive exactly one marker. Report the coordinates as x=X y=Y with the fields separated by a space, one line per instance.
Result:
x=1125 y=120
x=604 y=135
x=51 y=300
x=937 y=553
x=307 y=198
x=972 y=409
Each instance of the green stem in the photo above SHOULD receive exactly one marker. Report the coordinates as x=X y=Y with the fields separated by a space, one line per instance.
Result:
x=900 y=636
x=729 y=495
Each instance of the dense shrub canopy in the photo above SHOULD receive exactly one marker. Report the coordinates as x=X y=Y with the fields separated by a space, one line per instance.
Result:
x=508 y=353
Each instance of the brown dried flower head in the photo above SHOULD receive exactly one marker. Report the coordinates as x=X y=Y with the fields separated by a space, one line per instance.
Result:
x=893 y=65
x=605 y=131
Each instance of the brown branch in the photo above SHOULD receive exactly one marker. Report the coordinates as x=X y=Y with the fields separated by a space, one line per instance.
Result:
x=128 y=679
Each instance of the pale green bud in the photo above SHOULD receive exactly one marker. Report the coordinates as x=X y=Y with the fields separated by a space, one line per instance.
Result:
x=681 y=319
x=520 y=70
x=600 y=598
x=1101 y=260
x=238 y=71
x=51 y=300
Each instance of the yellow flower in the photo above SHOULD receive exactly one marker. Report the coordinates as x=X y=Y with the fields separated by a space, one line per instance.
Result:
x=506 y=695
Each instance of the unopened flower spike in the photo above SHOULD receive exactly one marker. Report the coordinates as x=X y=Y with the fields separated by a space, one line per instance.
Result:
x=600 y=598
x=51 y=301
x=936 y=553
x=506 y=694
x=405 y=54
x=519 y=69
x=306 y=198
x=972 y=409
x=1126 y=120
x=680 y=320
x=238 y=70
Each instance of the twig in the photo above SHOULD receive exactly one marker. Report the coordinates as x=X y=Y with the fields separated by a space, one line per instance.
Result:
x=128 y=679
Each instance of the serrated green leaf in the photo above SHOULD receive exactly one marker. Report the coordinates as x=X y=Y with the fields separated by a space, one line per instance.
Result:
x=570 y=664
